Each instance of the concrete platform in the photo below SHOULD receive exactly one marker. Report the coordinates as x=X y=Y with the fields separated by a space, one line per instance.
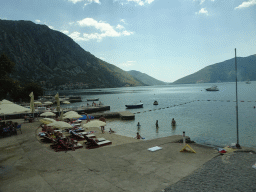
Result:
x=126 y=115
x=27 y=165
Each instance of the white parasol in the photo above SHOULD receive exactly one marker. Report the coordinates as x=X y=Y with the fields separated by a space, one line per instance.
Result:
x=60 y=124
x=94 y=123
x=47 y=114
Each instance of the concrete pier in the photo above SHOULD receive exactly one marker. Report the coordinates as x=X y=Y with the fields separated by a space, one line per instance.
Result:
x=127 y=115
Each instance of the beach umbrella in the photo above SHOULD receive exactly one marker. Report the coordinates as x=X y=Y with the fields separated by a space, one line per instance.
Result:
x=37 y=103
x=60 y=125
x=47 y=120
x=66 y=102
x=47 y=114
x=58 y=102
x=32 y=106
x=48 y=102
x=70 y=112
x=94 y=123
x=72 y=116
x=8 y=107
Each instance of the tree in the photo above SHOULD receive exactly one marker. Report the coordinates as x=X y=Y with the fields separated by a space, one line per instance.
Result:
x=6 y=66
x=6 y=83
x=32 y=87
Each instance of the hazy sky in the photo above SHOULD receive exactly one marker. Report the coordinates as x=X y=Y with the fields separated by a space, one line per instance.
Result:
x=166 y=39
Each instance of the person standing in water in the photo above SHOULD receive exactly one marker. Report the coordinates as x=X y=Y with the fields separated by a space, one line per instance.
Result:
x=156 y=123
x=173 y=122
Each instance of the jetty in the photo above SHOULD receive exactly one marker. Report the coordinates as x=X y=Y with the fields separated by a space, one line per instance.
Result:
x=127 y=115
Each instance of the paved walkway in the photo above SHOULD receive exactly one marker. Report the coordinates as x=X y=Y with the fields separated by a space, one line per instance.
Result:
x=230 y=173
x=27 y=165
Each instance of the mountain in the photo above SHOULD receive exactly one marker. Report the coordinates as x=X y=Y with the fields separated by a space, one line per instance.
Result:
x=144 y=78
x=224 y=71
x=51 y=57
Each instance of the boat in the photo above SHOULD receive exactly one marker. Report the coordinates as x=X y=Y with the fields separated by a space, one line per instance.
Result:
x=213 y=88
x=139 y=105
x=155 y=103
x=95 y=99
x=73 y=99
x=248 y=82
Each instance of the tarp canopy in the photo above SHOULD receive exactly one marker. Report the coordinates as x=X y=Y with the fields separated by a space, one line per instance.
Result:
x=8 y=107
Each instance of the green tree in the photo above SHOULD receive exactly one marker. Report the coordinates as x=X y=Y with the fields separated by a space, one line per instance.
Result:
x=32 y=87
x=6 y=83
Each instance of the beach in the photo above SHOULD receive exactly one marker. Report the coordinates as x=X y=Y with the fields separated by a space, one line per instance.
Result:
x=27 y=164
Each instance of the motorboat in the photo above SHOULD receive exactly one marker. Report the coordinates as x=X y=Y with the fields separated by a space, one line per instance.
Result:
x=139 y=105
x=95 y=99
x=155 y=103
x=213 y=88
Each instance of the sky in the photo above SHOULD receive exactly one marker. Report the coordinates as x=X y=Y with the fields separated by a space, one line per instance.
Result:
x=166 y=39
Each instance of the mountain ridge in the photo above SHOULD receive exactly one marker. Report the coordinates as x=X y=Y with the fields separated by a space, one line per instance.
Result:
x=146 y=79
x=45 y=55
x=224 y=72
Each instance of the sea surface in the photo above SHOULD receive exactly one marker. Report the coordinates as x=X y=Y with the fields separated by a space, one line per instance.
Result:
x=208 y=118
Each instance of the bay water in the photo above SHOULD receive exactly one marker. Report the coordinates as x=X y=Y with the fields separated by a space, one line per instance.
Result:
x=208 y=118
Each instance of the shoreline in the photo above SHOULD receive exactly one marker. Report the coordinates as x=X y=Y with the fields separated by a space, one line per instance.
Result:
x=29 y=165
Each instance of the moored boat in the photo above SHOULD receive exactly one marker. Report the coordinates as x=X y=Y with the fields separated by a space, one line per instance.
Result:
x=94 y=99
x=213 y=88
x=248 y=82
x=139 y=105
x=155 y=103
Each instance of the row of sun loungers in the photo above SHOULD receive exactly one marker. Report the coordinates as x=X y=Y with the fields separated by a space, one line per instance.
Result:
x=67 y=144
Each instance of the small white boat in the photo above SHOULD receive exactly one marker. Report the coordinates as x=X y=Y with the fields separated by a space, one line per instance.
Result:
x=213 y=88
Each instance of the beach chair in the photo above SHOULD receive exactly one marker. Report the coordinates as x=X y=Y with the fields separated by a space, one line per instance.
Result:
x=6 y=132
x=94 y=144
x=80 y=136
x=48 y=139
x=62 y=146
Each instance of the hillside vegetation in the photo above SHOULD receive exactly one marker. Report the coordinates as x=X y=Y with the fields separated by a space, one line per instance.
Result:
x=224 y=71
x=43 y=54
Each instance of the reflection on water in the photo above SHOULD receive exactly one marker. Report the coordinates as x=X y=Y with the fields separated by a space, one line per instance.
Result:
x=207 y=117
x=173 y=129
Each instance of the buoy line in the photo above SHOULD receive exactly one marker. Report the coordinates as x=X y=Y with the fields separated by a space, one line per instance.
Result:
x=164 y=107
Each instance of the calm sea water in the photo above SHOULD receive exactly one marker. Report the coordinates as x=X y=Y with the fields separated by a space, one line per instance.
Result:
x=207 y=117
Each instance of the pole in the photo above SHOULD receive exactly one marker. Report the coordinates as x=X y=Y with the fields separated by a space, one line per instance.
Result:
x=237 y=133
x=184 y=140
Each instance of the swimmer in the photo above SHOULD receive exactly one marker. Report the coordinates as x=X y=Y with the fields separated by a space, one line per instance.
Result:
x=173 y=122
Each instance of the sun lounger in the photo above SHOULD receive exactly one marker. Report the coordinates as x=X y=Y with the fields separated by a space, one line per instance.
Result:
x=63 y=146
x=80 y=136
x=91 y=143
x=48 y=139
